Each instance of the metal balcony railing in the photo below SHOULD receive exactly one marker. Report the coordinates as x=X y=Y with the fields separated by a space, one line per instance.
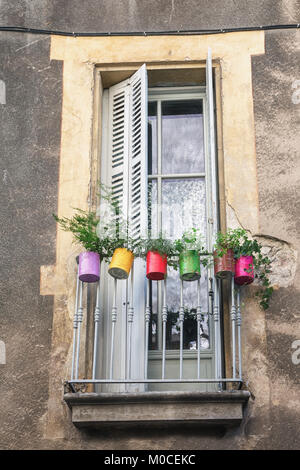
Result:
x=76 y=383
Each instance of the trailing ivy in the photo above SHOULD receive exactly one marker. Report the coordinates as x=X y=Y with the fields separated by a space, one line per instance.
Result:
x=238 y=241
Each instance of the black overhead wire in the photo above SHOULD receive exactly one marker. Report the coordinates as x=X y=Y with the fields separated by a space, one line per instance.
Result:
x=19 y=29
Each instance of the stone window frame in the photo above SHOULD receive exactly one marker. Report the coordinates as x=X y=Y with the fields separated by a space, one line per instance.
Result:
x=82 y=58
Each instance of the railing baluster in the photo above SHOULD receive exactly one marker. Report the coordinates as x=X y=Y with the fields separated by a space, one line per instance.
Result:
x=198 y=328
x=233 y=326
x=96 y=332
x=75 y=325
x=239 y=324
x=181 y=319
x=113 y=322
x=164 y=325
x=216 y=326
x=130 y=321
x=79 y=322
x=147 y=323
x=211 y=297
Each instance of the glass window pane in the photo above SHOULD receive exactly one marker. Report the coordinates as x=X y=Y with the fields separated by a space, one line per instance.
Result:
x=153 y=331
x=190 y=302
x=182 y=137
x=152 y=208
x=183 y=206
x=152 y=138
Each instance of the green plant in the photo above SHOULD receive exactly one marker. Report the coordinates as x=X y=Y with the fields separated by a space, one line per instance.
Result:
x=160 y=245
x=83 y=226
x=238 y=241
x=262 y=269
x=229 y=240
x=192 y=239
x=115 y=226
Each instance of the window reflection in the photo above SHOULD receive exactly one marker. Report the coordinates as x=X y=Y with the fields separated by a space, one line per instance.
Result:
x=183 y=206
x=152 y=137
x=182 y=137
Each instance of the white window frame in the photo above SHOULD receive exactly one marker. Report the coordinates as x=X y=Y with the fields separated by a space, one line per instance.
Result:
x=160 y=94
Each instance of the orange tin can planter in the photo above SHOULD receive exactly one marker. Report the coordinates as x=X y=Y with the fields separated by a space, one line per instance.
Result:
x=224 y=266
x=121 y=263
x=156 y=266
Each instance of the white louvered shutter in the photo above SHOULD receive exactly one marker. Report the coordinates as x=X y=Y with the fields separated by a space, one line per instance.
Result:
x=127 y=176
x=118 y=144
x=213 y=210
x=137 y=153
x=127 y=149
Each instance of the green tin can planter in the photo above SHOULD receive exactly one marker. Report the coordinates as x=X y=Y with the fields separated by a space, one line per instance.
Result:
x=189 y=265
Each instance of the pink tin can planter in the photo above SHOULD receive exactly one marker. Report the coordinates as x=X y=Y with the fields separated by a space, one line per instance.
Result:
x=244 y=270
x=89 y=266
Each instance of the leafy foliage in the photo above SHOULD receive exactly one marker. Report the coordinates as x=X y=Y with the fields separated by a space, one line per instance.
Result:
x=160 y=245
x=192 y=239
x=83 y=226
x=237 y=240
x=100 y=234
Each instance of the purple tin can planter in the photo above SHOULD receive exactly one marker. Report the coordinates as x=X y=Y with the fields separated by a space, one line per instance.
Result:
x=244 y=272
x=89 y=266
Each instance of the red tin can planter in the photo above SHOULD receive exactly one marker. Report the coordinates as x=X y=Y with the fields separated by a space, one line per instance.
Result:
x=244 y=271
x=89 y=267
x=156 y=266
x=224 y=266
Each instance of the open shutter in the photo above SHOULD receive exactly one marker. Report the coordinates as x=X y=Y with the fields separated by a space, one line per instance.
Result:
x=137 y=209
x=214 y=213
x=213 y=216
x=137 y=153
x=118 y=141
x=126 y=173
x=127 y=149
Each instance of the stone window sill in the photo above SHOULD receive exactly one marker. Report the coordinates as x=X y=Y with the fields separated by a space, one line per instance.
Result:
x=98 y=410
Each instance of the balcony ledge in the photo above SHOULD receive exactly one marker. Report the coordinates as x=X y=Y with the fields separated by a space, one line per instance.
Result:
x=98 y=410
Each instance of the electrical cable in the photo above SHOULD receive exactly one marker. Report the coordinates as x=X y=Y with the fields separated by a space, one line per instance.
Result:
x=19 y=29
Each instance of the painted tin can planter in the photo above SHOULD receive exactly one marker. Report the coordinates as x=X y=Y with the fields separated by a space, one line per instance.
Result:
x=244 y=272
x=156 y=266
x=224 y=266
x=189 y=265
x=89 y=266
x=121 y=263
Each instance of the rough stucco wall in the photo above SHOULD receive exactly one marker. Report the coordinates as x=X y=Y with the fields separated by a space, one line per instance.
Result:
x=146 y=15
x=278 y=141
x=30 y=135
x=29 y=180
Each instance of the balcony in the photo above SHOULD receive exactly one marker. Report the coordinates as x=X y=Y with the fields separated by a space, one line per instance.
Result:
x=166 y=384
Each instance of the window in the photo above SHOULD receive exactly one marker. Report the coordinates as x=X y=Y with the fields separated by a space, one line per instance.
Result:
x=142 y=341
x=159 y=143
